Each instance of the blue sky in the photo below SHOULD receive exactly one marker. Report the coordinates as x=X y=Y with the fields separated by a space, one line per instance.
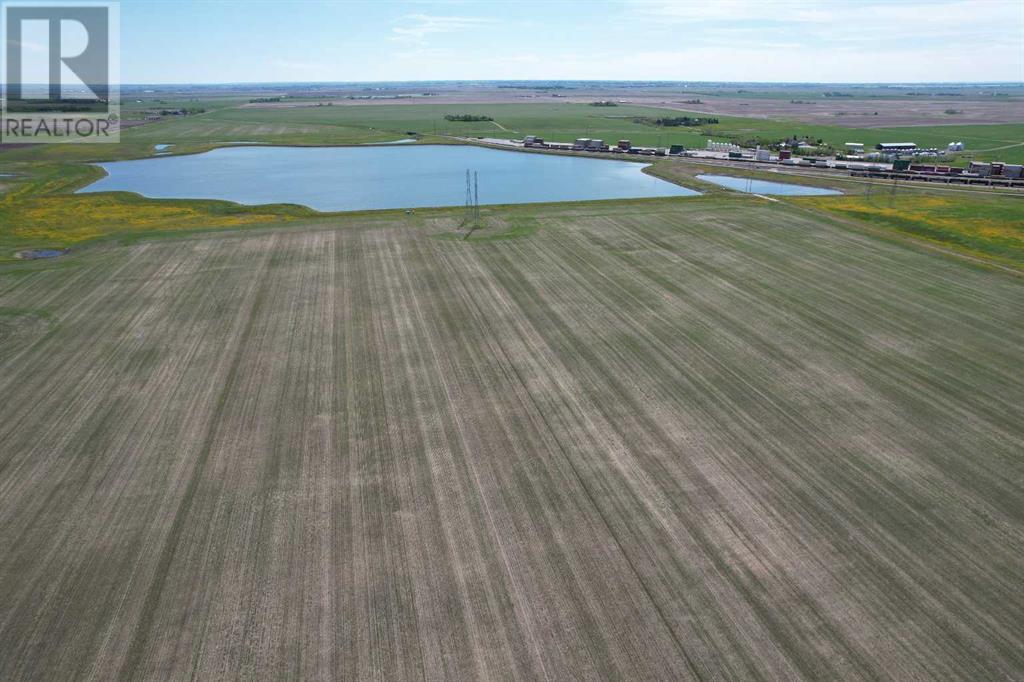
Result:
x=217 y=41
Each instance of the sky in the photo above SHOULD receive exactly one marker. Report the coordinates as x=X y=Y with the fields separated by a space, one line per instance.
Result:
x=839 y=41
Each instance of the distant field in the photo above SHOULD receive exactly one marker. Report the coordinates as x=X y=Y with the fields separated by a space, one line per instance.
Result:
x=563 y=122
x=673 y=440
x=234 y=121
x=364 y=123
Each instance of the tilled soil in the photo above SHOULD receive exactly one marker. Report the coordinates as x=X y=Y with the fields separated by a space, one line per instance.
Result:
x=669 y=443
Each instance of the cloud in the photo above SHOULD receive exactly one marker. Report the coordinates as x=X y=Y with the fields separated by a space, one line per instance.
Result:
x=419 y=26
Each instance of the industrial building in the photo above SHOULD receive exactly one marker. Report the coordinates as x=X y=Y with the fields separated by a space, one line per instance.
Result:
x=896 y=147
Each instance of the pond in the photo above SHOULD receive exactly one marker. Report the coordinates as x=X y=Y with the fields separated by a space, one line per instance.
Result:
x=36 y=254
x=360 y=178
x=753 y=186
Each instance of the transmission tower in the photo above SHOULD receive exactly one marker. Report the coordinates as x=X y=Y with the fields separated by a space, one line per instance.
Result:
x=471 y=212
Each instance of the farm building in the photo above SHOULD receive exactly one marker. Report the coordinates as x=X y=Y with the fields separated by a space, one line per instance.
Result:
x=896 y=146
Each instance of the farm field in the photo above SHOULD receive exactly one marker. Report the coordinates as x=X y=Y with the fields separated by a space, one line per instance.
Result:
x=650 y=440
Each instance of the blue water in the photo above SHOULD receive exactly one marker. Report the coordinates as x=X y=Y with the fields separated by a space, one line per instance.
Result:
x=765 y=187
x=358 y=178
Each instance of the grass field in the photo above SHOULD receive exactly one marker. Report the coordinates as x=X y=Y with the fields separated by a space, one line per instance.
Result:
x=667 y=440
x=990 y=227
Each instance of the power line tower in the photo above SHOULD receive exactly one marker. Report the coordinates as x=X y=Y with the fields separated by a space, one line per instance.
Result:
x=471 y=212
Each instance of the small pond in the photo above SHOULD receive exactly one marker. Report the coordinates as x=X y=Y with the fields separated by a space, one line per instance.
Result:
x=753 y=186
x=360 y=178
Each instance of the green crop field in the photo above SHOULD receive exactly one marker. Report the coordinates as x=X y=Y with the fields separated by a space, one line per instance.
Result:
x=673 y=439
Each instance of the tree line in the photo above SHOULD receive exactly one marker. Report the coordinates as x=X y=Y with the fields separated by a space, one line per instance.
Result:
x=466 y=117
x=672 y=122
